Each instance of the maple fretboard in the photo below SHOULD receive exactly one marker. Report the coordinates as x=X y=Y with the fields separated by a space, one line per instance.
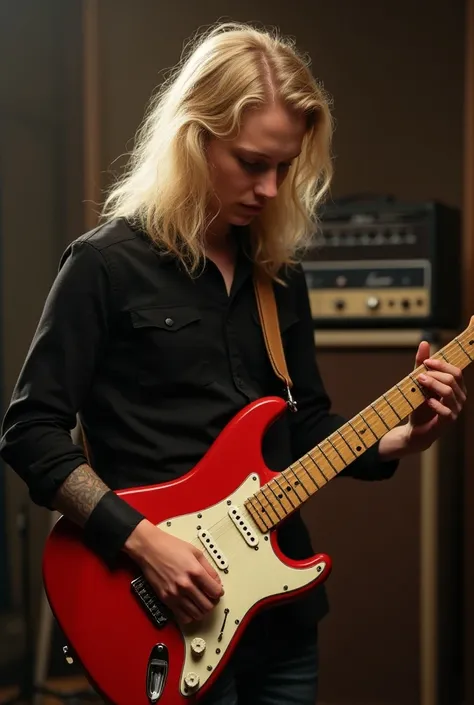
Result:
x=285 y=493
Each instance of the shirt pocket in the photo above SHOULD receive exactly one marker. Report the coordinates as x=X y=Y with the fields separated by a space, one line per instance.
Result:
x=169 y=346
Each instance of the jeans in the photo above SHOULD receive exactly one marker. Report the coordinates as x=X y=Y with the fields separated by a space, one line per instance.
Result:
x=269 y=667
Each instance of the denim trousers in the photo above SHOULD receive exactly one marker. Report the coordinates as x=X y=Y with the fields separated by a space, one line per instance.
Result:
x=269 y=667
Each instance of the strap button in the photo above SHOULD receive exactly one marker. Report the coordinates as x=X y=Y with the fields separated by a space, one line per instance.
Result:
x=169 y=322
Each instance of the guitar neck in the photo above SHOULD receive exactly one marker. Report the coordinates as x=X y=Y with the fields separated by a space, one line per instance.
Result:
x=285 y=493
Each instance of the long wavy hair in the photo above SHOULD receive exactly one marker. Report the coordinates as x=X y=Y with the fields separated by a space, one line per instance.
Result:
x=165 y=188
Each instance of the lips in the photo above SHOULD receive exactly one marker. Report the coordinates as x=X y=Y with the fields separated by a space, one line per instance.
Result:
x=253 y=206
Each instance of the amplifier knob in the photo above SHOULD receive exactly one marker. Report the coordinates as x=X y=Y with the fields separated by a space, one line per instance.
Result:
x=373 y=302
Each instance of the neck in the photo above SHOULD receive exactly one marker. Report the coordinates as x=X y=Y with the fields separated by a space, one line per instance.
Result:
x=218 y=238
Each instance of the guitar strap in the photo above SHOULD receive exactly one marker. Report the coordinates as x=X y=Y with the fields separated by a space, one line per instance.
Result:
x=267 y=310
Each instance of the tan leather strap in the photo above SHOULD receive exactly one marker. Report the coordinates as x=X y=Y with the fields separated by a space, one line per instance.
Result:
x=267 y=310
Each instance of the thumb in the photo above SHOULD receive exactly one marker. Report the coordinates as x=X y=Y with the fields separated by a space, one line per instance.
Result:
x=422 y=353
x=208 y=567
x=211 y=573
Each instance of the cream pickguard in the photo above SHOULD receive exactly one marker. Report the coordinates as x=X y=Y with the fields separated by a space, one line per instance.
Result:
x=249 y=570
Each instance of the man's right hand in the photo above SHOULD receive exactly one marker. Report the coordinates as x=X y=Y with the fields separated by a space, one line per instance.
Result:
x=178 y=572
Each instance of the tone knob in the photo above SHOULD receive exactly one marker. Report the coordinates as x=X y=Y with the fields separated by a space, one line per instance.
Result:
x=373 y=303
x=198 y=646
x=191 y=680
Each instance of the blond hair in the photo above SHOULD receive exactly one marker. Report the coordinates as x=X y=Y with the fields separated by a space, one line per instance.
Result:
x=166 y=186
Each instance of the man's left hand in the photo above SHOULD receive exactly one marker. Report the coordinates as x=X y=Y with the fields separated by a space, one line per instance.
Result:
x=445 y=386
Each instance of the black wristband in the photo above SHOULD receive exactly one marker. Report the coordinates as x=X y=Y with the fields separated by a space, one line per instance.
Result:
x=109 y=525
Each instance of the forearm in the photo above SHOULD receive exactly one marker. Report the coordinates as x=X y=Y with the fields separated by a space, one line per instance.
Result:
x=80 y=494
x=107 y=519
x=393 y=446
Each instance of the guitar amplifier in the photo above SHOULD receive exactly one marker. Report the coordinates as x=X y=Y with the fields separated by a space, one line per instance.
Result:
x=386 y=263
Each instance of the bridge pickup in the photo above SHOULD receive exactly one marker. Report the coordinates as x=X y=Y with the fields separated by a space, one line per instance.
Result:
x=213 y=549
x=243 y=526
x=155 y=609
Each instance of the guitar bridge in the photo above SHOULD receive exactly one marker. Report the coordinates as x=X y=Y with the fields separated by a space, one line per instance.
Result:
x=149 y=601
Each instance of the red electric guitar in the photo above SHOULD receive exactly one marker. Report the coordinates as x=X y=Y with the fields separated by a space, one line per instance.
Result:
x=229 y=505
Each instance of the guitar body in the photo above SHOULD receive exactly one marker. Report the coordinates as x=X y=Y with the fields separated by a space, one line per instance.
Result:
x=135 y=654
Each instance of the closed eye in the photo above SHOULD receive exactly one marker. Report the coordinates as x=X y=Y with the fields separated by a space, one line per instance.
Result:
x=261 y=167
x=253 y=167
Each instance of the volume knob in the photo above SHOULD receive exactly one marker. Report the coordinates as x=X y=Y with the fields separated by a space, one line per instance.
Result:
x=373 y=303
x=191 y=681
x=198 y=646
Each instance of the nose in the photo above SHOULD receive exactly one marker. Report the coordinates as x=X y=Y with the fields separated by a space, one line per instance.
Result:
x=267 y=185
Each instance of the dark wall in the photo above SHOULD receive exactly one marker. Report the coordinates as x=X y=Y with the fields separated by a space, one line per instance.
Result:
x=41 y=190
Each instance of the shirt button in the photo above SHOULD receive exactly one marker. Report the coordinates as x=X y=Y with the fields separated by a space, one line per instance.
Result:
x=169 y=322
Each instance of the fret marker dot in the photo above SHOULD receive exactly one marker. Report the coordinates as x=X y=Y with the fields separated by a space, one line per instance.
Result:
x=358 y=449
x=413 y=389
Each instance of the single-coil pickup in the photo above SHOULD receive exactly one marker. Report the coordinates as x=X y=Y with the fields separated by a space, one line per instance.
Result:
x=243 y=526
x=213 y=549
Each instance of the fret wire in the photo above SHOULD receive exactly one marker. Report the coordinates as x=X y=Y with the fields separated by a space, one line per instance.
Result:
x=347 y=444
x=443 y=356
x=332 y=444
x=322 y=473
x=276 y=480
x=367 y=426
x=392 y=408
x=258 y=515
x=267 y=507
x=415 y=381
x=299 y=483
x=271 y=503
x=405 y=396
x=308 y=474
x=370 y=426
x=462 y=348
x=251 y=511
x=262 y=514
x=358 y=435
x=452 y=351
x=370 y=410
x=326 y=457
x=382 y=420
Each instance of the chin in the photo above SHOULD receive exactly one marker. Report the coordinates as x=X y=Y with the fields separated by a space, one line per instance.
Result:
x=241 y=219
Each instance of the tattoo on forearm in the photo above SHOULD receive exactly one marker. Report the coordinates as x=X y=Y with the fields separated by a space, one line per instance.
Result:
x=79 y=494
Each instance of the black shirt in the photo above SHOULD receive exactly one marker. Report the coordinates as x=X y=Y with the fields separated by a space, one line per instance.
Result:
x=157 y=362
